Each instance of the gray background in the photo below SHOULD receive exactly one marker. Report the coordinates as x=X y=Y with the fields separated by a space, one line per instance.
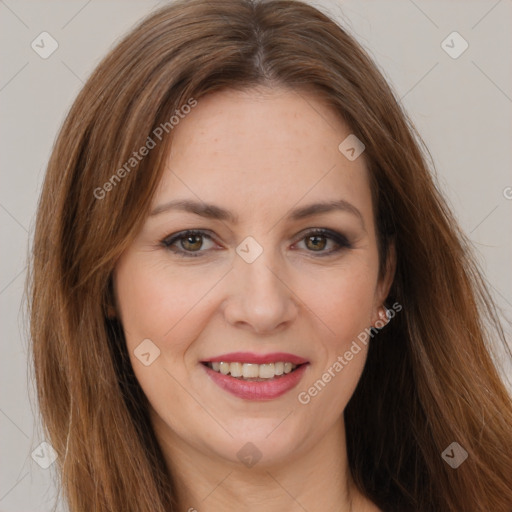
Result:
x=461 y=107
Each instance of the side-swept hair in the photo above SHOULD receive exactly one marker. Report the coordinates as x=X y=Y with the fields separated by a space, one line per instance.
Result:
x=429 y=378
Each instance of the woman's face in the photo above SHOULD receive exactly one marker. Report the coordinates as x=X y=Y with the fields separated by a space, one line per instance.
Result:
x=256 y=284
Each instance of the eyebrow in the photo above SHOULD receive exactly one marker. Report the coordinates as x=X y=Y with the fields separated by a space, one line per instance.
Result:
x=212 y=211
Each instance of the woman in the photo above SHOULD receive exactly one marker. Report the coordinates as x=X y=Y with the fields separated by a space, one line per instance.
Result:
x=247 y=292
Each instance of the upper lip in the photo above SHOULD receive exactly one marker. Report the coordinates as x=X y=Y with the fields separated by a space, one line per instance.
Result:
x=250 y=357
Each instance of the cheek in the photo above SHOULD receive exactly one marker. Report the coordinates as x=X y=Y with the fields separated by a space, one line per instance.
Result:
x=341 y=299
x=169 y=308
x=161 y=304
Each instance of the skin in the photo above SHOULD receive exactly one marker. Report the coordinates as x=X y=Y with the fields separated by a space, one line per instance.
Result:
x=259 y=154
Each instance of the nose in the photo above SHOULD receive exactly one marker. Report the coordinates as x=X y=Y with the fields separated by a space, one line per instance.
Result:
x=261 y=298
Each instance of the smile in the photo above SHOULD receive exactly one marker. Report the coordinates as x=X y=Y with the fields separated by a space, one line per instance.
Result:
x=251 y=371
x=256 y=377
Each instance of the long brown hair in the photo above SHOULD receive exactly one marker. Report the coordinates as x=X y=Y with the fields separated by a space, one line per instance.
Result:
x=429 y=379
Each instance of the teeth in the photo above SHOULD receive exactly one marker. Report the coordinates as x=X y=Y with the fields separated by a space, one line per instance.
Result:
x=253 y=371
x=267 y=371
x=236 y=369
x=250 y=371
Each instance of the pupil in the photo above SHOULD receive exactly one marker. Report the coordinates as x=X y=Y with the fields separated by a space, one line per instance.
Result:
x=318 y=241
x=190 y=239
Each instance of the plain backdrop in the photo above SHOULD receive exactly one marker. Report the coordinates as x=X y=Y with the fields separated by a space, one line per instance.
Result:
x=461 y=107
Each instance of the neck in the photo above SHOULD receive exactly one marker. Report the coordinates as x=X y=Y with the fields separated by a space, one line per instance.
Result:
x=312 y=478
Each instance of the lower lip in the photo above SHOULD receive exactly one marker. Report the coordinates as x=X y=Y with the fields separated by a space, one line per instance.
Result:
x=257 y=390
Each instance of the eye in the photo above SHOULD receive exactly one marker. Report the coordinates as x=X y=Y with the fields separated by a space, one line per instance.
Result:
x=191 y=243
x=318 y=239
x=188 y=243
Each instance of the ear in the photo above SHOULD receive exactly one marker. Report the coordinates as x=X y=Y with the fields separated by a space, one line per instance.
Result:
x=385 y=282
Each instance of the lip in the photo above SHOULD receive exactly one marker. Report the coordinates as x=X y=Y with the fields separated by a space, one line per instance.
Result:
x=257 y=390
x=250 y=357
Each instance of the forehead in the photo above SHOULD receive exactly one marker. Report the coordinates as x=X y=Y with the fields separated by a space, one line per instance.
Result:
x=262 y=150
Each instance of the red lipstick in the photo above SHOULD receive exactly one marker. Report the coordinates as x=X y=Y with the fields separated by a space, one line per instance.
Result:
x=259 y=390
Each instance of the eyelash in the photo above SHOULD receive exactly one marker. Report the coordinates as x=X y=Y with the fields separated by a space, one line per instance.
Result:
x=340 y=240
